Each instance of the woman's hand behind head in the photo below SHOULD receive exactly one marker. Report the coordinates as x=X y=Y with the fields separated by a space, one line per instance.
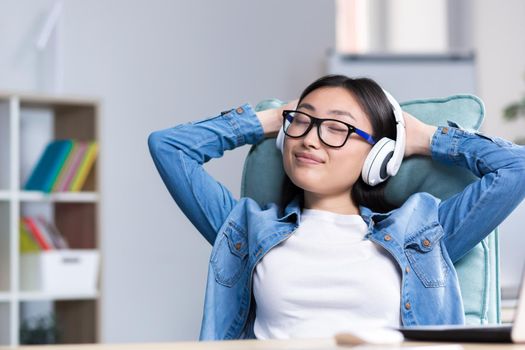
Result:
x=272 y=120
x=418 y=136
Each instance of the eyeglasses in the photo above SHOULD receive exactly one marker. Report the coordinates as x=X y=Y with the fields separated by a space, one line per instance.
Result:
x=331 y=132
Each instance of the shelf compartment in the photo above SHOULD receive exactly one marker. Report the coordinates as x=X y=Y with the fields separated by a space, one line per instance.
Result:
x=42 y=123
x=77 y=222
x=75 y=320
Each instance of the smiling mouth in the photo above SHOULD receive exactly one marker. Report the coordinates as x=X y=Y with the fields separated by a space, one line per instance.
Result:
x=306 y=160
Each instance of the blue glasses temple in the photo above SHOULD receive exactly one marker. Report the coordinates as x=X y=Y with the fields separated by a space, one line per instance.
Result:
x=368 y=138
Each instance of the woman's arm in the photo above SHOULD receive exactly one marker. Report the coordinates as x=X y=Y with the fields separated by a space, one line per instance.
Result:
x=469 y=216
x=180 y=152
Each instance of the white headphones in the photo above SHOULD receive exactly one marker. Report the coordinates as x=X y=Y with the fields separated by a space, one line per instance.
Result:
x=385 y=157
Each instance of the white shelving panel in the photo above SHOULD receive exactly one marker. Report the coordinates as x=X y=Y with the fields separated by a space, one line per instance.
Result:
x=5 y=297
x=38 y=296
x=65 y=197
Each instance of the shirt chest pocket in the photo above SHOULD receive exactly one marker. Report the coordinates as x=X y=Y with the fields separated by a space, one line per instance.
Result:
x=230 y=254
x=425 y=254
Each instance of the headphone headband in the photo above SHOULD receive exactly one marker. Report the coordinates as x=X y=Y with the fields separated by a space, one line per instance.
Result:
x=399 y=149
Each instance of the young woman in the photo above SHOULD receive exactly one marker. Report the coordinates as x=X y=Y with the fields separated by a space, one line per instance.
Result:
x=334 y=253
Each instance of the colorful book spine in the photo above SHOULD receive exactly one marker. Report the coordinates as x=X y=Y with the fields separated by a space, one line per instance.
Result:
x=85 y=167
x=75 y=165
x=28 y=244
x=55 y=168
x=41 y=174
x=43 y=242
x=57 y=186
x=64 y=166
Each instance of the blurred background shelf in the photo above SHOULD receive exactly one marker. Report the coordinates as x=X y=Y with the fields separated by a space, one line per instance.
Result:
x=28 y=122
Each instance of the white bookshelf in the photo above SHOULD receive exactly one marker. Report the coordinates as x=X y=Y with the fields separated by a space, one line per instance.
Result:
x=27 y=123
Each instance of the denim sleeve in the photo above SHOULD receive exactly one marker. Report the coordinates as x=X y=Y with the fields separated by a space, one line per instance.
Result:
x=180 y=152
x=472 y=214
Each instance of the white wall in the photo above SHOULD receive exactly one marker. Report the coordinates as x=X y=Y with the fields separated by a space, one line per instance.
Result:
x=500 y=48
x=417 y=26
x=155 y=64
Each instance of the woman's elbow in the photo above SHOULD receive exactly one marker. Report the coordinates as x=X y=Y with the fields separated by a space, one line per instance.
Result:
x=517 y=173
x=155 y=141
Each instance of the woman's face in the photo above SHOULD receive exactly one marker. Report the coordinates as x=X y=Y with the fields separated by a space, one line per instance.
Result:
x=316 y=167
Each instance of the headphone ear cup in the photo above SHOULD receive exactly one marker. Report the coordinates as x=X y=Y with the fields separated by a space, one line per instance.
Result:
x=375 y=167
x=279 y=142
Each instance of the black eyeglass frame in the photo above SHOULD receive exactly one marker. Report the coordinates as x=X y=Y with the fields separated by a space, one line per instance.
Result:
x=318 y=121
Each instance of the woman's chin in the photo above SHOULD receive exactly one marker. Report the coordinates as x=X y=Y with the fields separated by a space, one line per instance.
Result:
x=309 y=183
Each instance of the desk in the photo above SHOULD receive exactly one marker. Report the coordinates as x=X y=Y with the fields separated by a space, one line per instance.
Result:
x=309 y=344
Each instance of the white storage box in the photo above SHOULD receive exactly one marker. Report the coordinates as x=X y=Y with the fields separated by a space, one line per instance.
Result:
x=60 y=271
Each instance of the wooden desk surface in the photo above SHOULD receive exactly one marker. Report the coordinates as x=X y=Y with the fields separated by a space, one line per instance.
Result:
x=309 y=344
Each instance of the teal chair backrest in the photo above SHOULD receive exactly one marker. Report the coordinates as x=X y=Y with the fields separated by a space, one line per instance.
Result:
x=478 y=271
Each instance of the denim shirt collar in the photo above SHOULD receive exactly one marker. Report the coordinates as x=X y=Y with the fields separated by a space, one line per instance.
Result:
x=293 y=208
x=372 y=218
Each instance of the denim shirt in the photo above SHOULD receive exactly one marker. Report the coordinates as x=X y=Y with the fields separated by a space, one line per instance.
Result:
x=425 y=235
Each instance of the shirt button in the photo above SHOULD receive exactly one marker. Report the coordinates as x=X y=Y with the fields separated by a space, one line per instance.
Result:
x=388 y=238
x=407 y=269
x=239 y=110
x=426 y=243
x=408 y=306
x=237 y=246
x=444 y=130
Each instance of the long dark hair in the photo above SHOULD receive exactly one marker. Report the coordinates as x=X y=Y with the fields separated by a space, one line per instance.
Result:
x=373 y=101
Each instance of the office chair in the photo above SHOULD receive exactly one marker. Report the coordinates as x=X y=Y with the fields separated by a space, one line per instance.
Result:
x=478 y=271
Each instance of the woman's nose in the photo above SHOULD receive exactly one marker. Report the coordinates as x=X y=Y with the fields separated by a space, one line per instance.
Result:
x=311 y=139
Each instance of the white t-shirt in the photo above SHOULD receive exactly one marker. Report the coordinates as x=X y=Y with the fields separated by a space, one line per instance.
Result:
x=326 y=277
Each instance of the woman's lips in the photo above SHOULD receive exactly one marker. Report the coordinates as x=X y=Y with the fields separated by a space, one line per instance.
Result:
x=308 y=158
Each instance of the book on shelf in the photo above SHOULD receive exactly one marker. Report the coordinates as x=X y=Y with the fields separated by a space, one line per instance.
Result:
x=59 y=242
x=49 y=165
x=38 y=234
x=84 y=168
x=43 y=242
x=28 y=243
x=67 y=168
x=63 y=166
